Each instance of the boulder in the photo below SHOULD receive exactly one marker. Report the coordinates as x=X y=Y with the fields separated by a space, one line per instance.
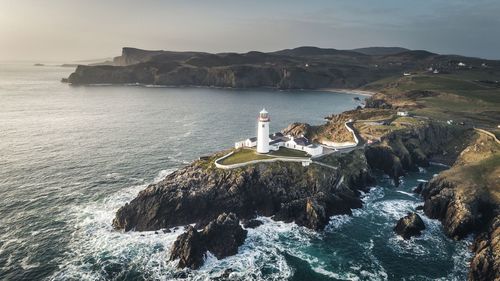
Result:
x=410 y=225
x=252 y=223
x=221 y=237
x=189 y=249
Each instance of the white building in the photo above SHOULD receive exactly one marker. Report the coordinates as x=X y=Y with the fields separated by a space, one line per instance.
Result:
x=304 y=145
x=402 y=113
x=461 y=64
x=265 y=142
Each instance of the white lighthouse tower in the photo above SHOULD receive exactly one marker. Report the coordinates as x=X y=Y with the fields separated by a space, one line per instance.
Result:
x=263 y=132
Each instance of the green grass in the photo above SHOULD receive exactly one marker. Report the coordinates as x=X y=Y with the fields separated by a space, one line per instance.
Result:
x=287 y=152
x=407 y=120
x=242 y=156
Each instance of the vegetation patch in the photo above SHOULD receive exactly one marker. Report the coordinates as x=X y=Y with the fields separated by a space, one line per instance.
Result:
x=287 y=152
x=243 y=155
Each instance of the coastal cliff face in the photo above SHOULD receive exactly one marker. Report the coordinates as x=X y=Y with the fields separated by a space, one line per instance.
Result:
x=301 y=68
x=233 y=76
x=408 y=149
x=288 y=191
x=466 y=199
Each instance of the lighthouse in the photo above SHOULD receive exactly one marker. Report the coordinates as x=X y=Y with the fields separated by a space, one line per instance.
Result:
x=263 y=132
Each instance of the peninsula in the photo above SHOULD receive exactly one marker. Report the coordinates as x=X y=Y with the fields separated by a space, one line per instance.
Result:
x=425 y=108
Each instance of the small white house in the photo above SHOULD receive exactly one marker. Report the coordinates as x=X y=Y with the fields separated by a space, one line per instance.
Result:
x=403 y=113
x=406 y=73
x=304 y=145
x=436 y=71
x=250 y=142
x=461 y=64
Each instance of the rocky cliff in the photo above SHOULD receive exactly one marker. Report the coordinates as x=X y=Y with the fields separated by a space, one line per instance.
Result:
x=466 y=199
x=410 y=148
x=288 y=191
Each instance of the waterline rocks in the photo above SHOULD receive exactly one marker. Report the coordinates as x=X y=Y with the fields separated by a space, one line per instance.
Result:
x=221 y=237
x=410 y=225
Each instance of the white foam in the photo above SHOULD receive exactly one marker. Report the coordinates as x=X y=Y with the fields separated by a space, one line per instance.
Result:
x=336 y=222
x=406 y=193
x=25 y=264
x=95 y=239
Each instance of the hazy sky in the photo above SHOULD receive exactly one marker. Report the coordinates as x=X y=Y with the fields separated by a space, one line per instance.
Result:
x=68 y=30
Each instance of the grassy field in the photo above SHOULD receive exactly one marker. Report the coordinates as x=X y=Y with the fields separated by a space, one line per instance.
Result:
x=242 y=156
x=460 y=96
x=287 y=152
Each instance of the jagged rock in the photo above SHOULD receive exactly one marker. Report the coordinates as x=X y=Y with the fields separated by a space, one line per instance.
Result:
x=383 y=158
x=252 y=223
x=221 y=237
x=189 y=249
x=297 y=130
x=485 y=265
x=224 y=235
x=315 y=214
x=410 y=225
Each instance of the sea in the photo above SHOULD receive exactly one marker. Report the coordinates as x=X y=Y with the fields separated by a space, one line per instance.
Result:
x=70 y=156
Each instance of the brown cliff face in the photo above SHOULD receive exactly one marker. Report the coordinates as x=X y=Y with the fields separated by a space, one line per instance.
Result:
x=466 y=199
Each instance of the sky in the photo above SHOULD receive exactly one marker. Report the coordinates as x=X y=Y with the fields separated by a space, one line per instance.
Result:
x=70 y=30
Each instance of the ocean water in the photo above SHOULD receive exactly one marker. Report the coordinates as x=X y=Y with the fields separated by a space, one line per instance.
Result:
x=71 y=156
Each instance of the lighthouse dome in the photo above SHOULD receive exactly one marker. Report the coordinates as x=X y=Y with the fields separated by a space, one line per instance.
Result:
x=263 y=115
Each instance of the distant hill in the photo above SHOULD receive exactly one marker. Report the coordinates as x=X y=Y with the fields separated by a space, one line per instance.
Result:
x=380 y=51
x=308 y=51
x=299 y=68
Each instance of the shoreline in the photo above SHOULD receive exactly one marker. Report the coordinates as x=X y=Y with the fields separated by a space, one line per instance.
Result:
x=332 y=90
x=348 y=91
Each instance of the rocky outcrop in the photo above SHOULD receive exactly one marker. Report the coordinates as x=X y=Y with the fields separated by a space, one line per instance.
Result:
x=410 y=148
x=253 y=223
x=485 y=264
x=465 y=199
x=288 y=191
x=221 y=237
x=298 y=130
x=410 y=225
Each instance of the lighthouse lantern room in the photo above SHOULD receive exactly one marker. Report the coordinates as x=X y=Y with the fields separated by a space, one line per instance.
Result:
x=263 y=132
